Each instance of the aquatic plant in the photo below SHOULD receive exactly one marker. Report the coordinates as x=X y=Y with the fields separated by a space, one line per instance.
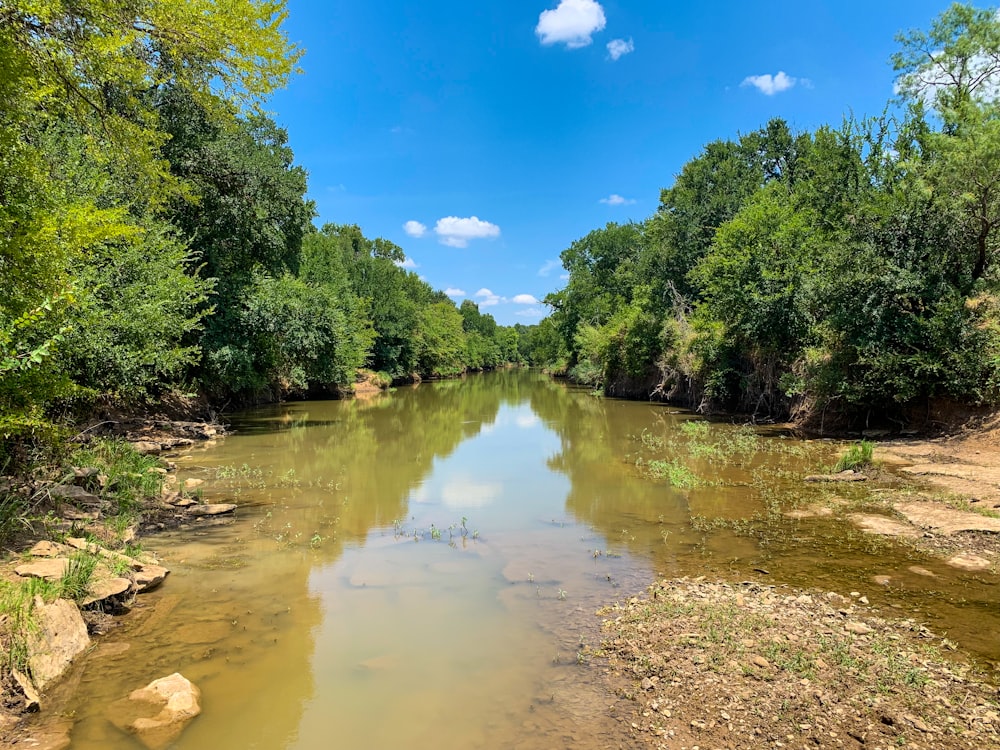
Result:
x=858 y=456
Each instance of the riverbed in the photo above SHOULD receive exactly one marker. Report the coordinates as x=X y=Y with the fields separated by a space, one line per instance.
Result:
x=422 y=569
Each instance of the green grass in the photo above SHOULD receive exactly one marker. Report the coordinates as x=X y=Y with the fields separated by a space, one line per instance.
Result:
x=858 y=457
x=127 y=470
x=76 y=580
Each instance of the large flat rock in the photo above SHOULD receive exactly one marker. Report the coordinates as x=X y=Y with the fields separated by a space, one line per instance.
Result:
x=943 y=519
x=50 y=569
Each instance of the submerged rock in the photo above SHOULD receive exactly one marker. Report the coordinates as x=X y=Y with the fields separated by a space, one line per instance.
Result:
x=159 y=712
x=968 y=561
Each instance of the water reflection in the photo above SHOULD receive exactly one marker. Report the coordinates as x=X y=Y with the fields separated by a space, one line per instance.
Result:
x=420 y=570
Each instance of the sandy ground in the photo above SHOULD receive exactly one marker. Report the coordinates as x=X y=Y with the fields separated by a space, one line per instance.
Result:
x=699 y=665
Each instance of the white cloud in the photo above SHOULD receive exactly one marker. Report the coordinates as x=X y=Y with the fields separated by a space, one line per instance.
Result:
x=549 y=266
x=468 y=492
x=453 y=292
x=524 y=299
x=456 y=232
x=572 y=22
x=620 y=47
x=488 y=298
x=414 y=228
x=531 y=312
x=771 y=85
x=616 y=200
x=526 y=419
x=564 y=276
x=407 y=263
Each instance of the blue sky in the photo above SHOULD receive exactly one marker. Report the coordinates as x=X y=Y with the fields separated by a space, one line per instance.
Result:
x=485 y=137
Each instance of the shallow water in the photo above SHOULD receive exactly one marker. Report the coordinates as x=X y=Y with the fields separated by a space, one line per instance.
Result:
x=421 y=570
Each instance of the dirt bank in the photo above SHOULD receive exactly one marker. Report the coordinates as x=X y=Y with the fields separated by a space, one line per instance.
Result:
x=715 y=665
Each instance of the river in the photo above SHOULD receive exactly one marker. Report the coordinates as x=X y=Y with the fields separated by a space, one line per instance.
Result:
x=422 y=569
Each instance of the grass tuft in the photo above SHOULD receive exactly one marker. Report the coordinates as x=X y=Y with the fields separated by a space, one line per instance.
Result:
x=858 y=456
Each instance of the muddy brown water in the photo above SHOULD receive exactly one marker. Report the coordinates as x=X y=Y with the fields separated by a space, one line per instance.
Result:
x=421 y=570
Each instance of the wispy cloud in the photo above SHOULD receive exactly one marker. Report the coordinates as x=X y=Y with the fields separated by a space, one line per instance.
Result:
x=456 y=232
x=770 y=85
x=524 y=299
x=572 y=23
x=453 y=292
x=549 y=266
x=531 y=312
x=620 y=47
x=407 y=263
x=414 y=228
x=616 y=200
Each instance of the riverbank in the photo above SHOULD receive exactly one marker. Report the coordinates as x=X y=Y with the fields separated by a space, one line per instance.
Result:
x=74 y=562
x=302 y=515
x=695 y=664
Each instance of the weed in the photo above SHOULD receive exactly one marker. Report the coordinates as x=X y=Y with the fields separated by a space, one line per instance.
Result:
x=76 y=580
x=858 y=456
x=677 y=474
x=129 y=478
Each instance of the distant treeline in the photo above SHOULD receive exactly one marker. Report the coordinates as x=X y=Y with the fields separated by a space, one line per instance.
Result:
x=848 y=271
x=154 y=229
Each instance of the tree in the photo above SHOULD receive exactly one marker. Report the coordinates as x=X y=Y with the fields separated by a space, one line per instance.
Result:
x=955 y=63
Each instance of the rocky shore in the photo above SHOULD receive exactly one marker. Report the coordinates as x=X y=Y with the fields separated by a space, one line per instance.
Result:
x=699 y=665
x=78 y=564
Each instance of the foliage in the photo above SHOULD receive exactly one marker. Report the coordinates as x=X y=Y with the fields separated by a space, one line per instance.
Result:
x=851 y=269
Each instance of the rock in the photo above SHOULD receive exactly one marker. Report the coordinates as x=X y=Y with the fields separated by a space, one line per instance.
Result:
x=646 y=684
x=190 y=484
x=72 y=513
x=873 y=524
x=106 y=588
x=184 y=502
x=49 y=569
x=32 y=701
x=858 y=628
x=146 y=446
x=813 y=511
x=212 y=509
x=156 y=470
x=922 y=571
x=917 y=722
x=81 y=475
x=74 y=494
x=968 y=561
x=61 y=634
x=49 y=549
x=159 y=712
x=945 y=520
x=882 y=580
x=760 y=661
x=148 y=577
x=82 y=544
x=844 y=476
